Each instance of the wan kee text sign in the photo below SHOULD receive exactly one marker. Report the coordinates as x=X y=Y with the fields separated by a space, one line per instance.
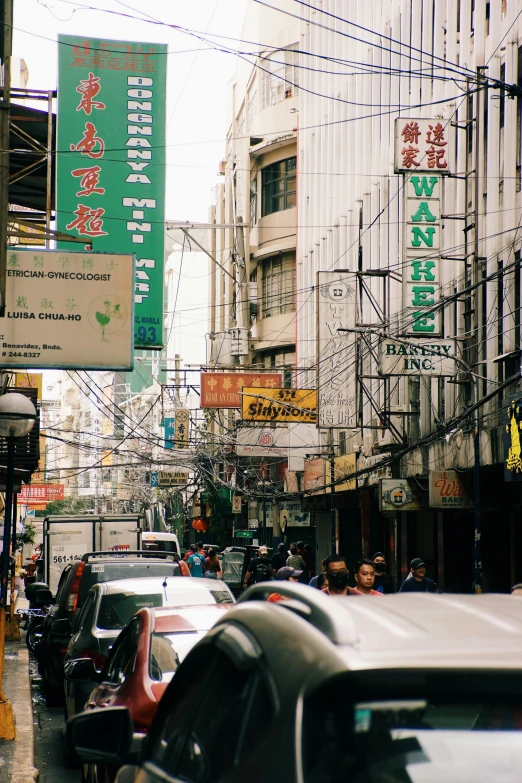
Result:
x=68 y=310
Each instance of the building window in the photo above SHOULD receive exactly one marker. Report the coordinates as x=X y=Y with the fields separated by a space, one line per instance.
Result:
x=278 y=360
x=279 y=76
x=279 y=183
x=253 y=202
x=279 y=285
x=251 y=106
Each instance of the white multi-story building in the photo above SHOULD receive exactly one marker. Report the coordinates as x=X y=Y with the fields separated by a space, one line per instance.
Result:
x=437 y=260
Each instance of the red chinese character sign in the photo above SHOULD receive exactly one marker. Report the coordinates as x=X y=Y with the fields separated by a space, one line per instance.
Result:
x=423 y=145
x=223 y=389
x=111 y=161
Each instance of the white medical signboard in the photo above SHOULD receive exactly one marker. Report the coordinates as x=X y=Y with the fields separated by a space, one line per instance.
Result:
x=68 y=310
x=336 y=393
x=417 y=357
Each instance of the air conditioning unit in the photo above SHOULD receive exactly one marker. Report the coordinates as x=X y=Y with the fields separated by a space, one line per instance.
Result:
x=222 y=168
x=239 y=341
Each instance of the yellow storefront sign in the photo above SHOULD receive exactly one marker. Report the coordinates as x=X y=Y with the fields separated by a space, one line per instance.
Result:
x=279 y=405
x=343 y=466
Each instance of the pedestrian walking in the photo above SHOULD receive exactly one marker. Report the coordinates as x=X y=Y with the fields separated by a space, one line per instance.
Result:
x=337 y=575
x=196 y=562
x=301 y=551
x=295 y=560
x=285 y=574
x=417 y=582
x=213 y=570
x=383 y=581
x=364 y=575
x=279 y=558
x=259 y=568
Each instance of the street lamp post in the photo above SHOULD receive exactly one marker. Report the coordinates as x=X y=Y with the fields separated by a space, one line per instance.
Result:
x=17 y=418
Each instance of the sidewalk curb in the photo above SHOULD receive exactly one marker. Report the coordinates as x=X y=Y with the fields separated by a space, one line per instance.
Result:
x=18 y=688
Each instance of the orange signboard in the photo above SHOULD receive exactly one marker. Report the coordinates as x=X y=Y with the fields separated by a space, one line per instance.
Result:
x=223 y=389
x=36 y=494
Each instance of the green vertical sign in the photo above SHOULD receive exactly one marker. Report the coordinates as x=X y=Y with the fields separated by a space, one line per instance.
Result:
x=110 y=161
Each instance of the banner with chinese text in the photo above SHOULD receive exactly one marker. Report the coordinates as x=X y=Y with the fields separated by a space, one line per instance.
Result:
x=224 y=389
x=110 y=162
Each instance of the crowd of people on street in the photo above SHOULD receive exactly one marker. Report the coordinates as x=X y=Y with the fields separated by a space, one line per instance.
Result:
x=296 y=563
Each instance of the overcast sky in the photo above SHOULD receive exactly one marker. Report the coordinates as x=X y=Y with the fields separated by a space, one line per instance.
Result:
x=197 y=100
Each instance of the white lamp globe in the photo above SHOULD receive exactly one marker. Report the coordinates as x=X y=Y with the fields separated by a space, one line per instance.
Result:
x=17 y=415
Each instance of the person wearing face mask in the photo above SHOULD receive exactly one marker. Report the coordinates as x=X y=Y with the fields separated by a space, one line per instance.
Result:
x=337 y=575
x=383 y=581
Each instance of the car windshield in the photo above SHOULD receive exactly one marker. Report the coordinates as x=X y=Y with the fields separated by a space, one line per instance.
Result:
x=103 y=571
x=116 y=609
x=452 y=737
x=167 y=651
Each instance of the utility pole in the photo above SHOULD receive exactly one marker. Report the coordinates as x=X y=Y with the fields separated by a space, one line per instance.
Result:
x=476 y=326
x=332 y=493
x=5 y=105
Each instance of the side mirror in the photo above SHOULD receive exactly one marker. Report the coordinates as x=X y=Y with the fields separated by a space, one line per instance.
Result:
x=81 y=670
x=101 y=736
x=61 y=627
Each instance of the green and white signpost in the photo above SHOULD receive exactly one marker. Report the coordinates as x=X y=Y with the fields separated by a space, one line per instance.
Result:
x=111 y=161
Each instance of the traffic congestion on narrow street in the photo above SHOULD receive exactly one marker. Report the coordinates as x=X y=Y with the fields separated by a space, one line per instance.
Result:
x=260 y=362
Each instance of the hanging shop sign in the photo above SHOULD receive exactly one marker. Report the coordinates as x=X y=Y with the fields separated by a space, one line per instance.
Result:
x=177 y=429
x=223 y=389
x=422 y=242
x=262 y=442
x=34 y=494
x=378 y=470
x=29 y=380
x=449 y=489
x=68 y=310
x=314 y=475
x=400 y=495
x=423 y=145
x=172 y=478
x=512 y=425
x=279 y=405
x=236 y=504
x=417 y=357
x=343 y=466
x=110 y=177
x=336 y=391
x=290 y=514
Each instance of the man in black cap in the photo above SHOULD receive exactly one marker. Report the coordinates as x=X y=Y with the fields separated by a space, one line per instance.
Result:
x=417 y=582
x=383 y=581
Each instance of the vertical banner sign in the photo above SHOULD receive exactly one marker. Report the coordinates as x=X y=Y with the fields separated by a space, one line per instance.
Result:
x=422 y=145
x=111 y=161
x=336 y=392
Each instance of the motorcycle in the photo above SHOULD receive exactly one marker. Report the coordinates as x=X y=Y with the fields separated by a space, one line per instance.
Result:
x=32 y=622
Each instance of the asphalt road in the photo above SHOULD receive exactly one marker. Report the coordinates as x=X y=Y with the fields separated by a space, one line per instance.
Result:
x=50 y=757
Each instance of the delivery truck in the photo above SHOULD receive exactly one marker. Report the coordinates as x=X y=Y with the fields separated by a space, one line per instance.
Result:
x=67 y=538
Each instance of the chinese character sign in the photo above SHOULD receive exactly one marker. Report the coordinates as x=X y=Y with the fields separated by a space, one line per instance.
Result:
x=224 y=389
x=336 y=391
x=421 y=280
x=111 y=161
x=423 y=145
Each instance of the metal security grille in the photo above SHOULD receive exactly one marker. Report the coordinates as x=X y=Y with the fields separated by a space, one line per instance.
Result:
x=279 y=285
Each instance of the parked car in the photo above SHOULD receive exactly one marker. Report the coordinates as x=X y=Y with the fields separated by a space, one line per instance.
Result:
x=111 y=605
x=141 y=664
x=324 y=690
x=76 y=580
